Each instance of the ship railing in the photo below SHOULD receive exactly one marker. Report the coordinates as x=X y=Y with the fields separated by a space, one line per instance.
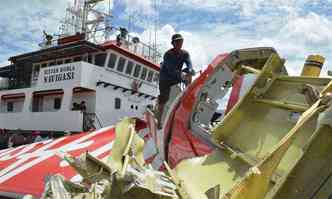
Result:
x=4 y=83
x=48 y=44
x=129 y=42
x=144 y=50
x=8 y=84
x=34 y=78
x=100 y=124
x=91 y=121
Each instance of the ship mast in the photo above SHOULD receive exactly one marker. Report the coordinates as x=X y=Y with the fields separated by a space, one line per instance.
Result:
x=84 y=18
x=96 y=26
x=156 y=22
x=87 y=9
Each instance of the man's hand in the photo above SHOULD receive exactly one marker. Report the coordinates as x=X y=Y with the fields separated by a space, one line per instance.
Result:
x=187 y=78
x=183 y=76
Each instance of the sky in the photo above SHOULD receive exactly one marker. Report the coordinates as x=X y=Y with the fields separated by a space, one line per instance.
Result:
x=295 y=28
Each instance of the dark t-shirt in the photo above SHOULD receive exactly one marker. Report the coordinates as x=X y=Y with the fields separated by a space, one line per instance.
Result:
x=172 y=64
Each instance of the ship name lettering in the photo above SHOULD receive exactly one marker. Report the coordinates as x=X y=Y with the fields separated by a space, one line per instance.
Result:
x=59 y=77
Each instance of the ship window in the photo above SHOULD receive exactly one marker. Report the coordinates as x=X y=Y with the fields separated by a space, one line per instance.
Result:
x=68 y=61
x=52 y=63
x=121 y=64
x=37 y=104
x=156 y=77
x=57 y=103
x=10 y=106
x=90 y=59
x=76 y=59
x=150 y=76
x=35 y=72
x=112 y=60
x=117 y=103
x=143 y=75
x=36 y=67
x=129 y=68
x=59 y=62
x=137 y=70
x=100 y=59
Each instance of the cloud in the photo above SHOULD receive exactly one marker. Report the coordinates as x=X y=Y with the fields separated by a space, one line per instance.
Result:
x=22 y=23
x=249 y=8
x=304 y=35
x=210 y=27
x=294 y=40
x=4 y=63
x=105 y=6
x=246 y=7
x=191 y=43
x=311 y=30
x=145 y=7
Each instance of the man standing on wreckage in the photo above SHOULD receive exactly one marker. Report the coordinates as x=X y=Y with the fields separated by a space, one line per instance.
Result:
x=171 y=73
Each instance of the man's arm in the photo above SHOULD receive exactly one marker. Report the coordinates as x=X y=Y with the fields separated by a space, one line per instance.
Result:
x=188 y=62
x=189 y=69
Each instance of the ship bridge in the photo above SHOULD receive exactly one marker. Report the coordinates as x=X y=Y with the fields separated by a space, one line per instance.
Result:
x=43 y=90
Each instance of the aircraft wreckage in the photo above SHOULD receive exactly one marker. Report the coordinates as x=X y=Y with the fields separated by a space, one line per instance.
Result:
x=274 y=142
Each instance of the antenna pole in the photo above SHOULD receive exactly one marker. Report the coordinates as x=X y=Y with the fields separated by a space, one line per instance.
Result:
x=155 y=31
x=109 y=7
x=84 y=17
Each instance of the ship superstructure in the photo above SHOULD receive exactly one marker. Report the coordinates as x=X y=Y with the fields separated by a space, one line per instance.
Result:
x=46 y=89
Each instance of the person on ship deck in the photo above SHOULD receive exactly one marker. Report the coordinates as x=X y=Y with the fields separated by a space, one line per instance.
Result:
x=171 y=72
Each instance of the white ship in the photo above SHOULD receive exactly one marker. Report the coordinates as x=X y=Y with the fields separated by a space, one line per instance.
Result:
x=113 y=77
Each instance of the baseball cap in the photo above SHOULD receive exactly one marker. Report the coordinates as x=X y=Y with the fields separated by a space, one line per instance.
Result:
x=176 y=37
